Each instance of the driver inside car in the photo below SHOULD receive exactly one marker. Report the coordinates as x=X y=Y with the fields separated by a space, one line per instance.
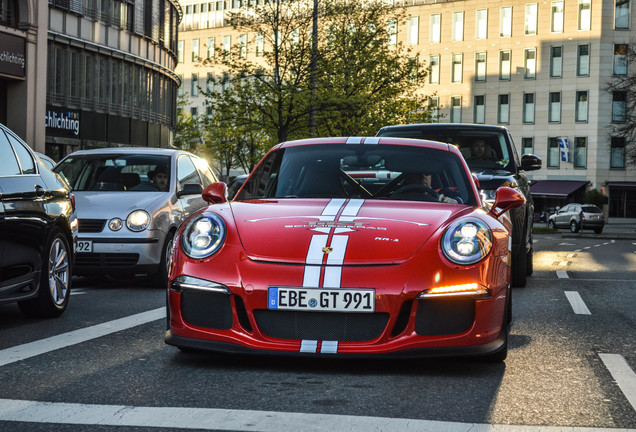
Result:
x=422 y=182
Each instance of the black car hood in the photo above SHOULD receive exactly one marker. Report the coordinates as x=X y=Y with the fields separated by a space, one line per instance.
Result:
x=492 y=179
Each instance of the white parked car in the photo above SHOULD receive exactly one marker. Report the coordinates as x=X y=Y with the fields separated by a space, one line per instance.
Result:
x=578 y=217
x=130 y=202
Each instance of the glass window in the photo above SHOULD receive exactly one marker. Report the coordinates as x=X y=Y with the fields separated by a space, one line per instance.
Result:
x=617 y=152
x=436 y=28
x=8 y=163
x=503 y=112
x=504 y=65
x=530 y=60
x=180 y=90
x=195 y=50
x=620 y=59
x=227 y=45
x=621 y=15
x=204 y=171
x=433 y=76
x=392 y=31
x=433 y=107
x=556 y=61
x=194 y=85
x=259 y=45
x=480 y=109
x=457 y=70
x=414 y=30
x=456 y=109
x=458 y=26
x=583 y=60
x=180 y=51
x=530 y=26
x=554 y=154
x=186 y=172
x=554 y=115
x=528 y=107
x=243 y=46
x=581 y=106
x=194 y=111
x=580 y=152
x=24 y=156
x=527 y=145
x=619 y=106
x=481 y=24
x=557 y=17
x=480 y=66
x=585 y=11
x=505 y=21
x=210 y=48
x=209 y=84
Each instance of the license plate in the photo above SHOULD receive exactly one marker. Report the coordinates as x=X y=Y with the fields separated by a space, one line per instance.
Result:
x=84 y=246
x=322 y=299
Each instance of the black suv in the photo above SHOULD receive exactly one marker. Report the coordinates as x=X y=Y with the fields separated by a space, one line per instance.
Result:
x=492 y=156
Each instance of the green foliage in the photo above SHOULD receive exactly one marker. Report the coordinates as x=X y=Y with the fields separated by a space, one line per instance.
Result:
x=187 y=133
x=596 y=197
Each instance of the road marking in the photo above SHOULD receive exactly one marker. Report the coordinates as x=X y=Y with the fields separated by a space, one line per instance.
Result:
x=567 y=244
x=562 y=274
x=577 y=303
x=31 y=349
x=238 y=420
x=622 y=374
x=77 y=292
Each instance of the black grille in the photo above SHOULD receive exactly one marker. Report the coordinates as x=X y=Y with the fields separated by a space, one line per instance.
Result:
x=91 y=225
x=205 y=309
x=340 y=326
x=444 y=316
x=106 y=260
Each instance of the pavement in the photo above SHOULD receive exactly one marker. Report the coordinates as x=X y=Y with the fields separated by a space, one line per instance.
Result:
x=611 y=231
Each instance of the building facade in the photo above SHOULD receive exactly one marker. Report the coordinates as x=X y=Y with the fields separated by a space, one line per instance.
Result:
x=87 y=73
x=541 y=69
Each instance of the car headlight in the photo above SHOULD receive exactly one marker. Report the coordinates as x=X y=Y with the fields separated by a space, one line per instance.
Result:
x=203 y=236
x=115 y=224
x=138 y=220
x=467 y=241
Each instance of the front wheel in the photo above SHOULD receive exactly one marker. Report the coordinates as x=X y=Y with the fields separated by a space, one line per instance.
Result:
x=519 y=271
x=551 y=224
x=574 y=227
x=55 y=280
x=598 y=230
x=161 y=277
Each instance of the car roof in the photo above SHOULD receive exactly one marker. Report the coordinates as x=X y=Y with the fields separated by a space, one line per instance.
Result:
x=131 y=150
x=454 y=126
x=368 y=141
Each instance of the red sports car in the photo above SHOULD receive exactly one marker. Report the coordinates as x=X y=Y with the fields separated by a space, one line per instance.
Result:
x=350 y=247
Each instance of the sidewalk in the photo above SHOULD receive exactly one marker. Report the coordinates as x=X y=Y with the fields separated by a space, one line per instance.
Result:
x=611 y=231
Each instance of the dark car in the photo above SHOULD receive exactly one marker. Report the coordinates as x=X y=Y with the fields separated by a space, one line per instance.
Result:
x=235 y=185
x=38 y=228
x=491 y=154
x=577 y=217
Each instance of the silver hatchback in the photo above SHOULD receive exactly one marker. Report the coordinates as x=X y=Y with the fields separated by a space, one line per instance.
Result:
x=130 y=202
x=578 y=217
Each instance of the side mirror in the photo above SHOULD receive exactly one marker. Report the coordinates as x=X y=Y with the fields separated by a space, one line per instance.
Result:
x=505 y=199
x=190 y=189
x=216 y=193
x=530 y=162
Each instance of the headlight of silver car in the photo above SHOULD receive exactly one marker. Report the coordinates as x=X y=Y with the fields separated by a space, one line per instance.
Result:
x=138 y=220
x=115 y=224
x=467 y=241
x=203 y=236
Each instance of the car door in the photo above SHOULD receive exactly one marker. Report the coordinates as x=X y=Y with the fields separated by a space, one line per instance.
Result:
x=187 y=174
x=562 y=218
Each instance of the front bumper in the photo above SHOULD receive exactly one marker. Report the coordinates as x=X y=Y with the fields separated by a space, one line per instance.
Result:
x=140 y=255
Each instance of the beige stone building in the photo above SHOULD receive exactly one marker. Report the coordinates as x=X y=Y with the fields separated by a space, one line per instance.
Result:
x=540 y=68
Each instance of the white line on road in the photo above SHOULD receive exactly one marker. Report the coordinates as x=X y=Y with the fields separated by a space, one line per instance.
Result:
x=239 y=420
x=577 y=303
x=31 y=349
x=562 y=274
x=622 y=374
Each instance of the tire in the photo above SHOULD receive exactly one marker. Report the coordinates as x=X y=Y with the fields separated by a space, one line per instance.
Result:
x=518 y=271
x=161 y=277
x=598 y=230
x=574 y=227
x=529 y=262
x=551 y=224
x=54 y=288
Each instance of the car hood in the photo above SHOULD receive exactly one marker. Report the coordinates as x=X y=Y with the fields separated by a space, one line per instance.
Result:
x=492 y=179
x=105 y=205
x=358 y=231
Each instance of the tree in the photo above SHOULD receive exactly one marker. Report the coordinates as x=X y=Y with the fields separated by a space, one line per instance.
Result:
x=187 y=132
x=622 y=87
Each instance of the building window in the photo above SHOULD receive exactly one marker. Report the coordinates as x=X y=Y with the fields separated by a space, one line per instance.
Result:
x=195 y=50
x=414 y=30
x=210 y=48
x=259 y=45
x=194 y=85
x=209 y=84
x=480 y=66
x=620 y=59
x=193 y=111
x=554 y=110
x=585 y=14
x=505 y=21
x=227 y=45
x=180 y=91
x=557 y=17
x=433 y=108
x=180 y=51
x=617 y=152
x=554 y=153
x=530 y=26
x=556 y=61
x=481 y=24
x=433 y=77
x=458 y=26
x=580 y=152
x=413 y=67
x=581 y=106
x=457 y=69
x=504 y=65
x=619 y=106
x=503 y=110
x=456 y=109
x=583 y=60
x=480 y=109
x=243 y=46
x=435 y=35
x=621 y=14
x=527 y=145
x=392 y=31
x=528 y=107
x=530 y=61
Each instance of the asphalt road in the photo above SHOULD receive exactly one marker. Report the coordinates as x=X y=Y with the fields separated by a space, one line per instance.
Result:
x=103 y=365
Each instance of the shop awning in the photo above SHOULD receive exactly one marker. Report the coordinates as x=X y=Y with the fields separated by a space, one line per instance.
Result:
x=555 y=188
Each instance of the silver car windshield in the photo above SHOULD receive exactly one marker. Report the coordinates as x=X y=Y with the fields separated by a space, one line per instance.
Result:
x=116 y=172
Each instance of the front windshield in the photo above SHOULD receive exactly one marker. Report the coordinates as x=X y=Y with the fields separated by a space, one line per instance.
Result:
x=386 y=172
x=116 y=172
